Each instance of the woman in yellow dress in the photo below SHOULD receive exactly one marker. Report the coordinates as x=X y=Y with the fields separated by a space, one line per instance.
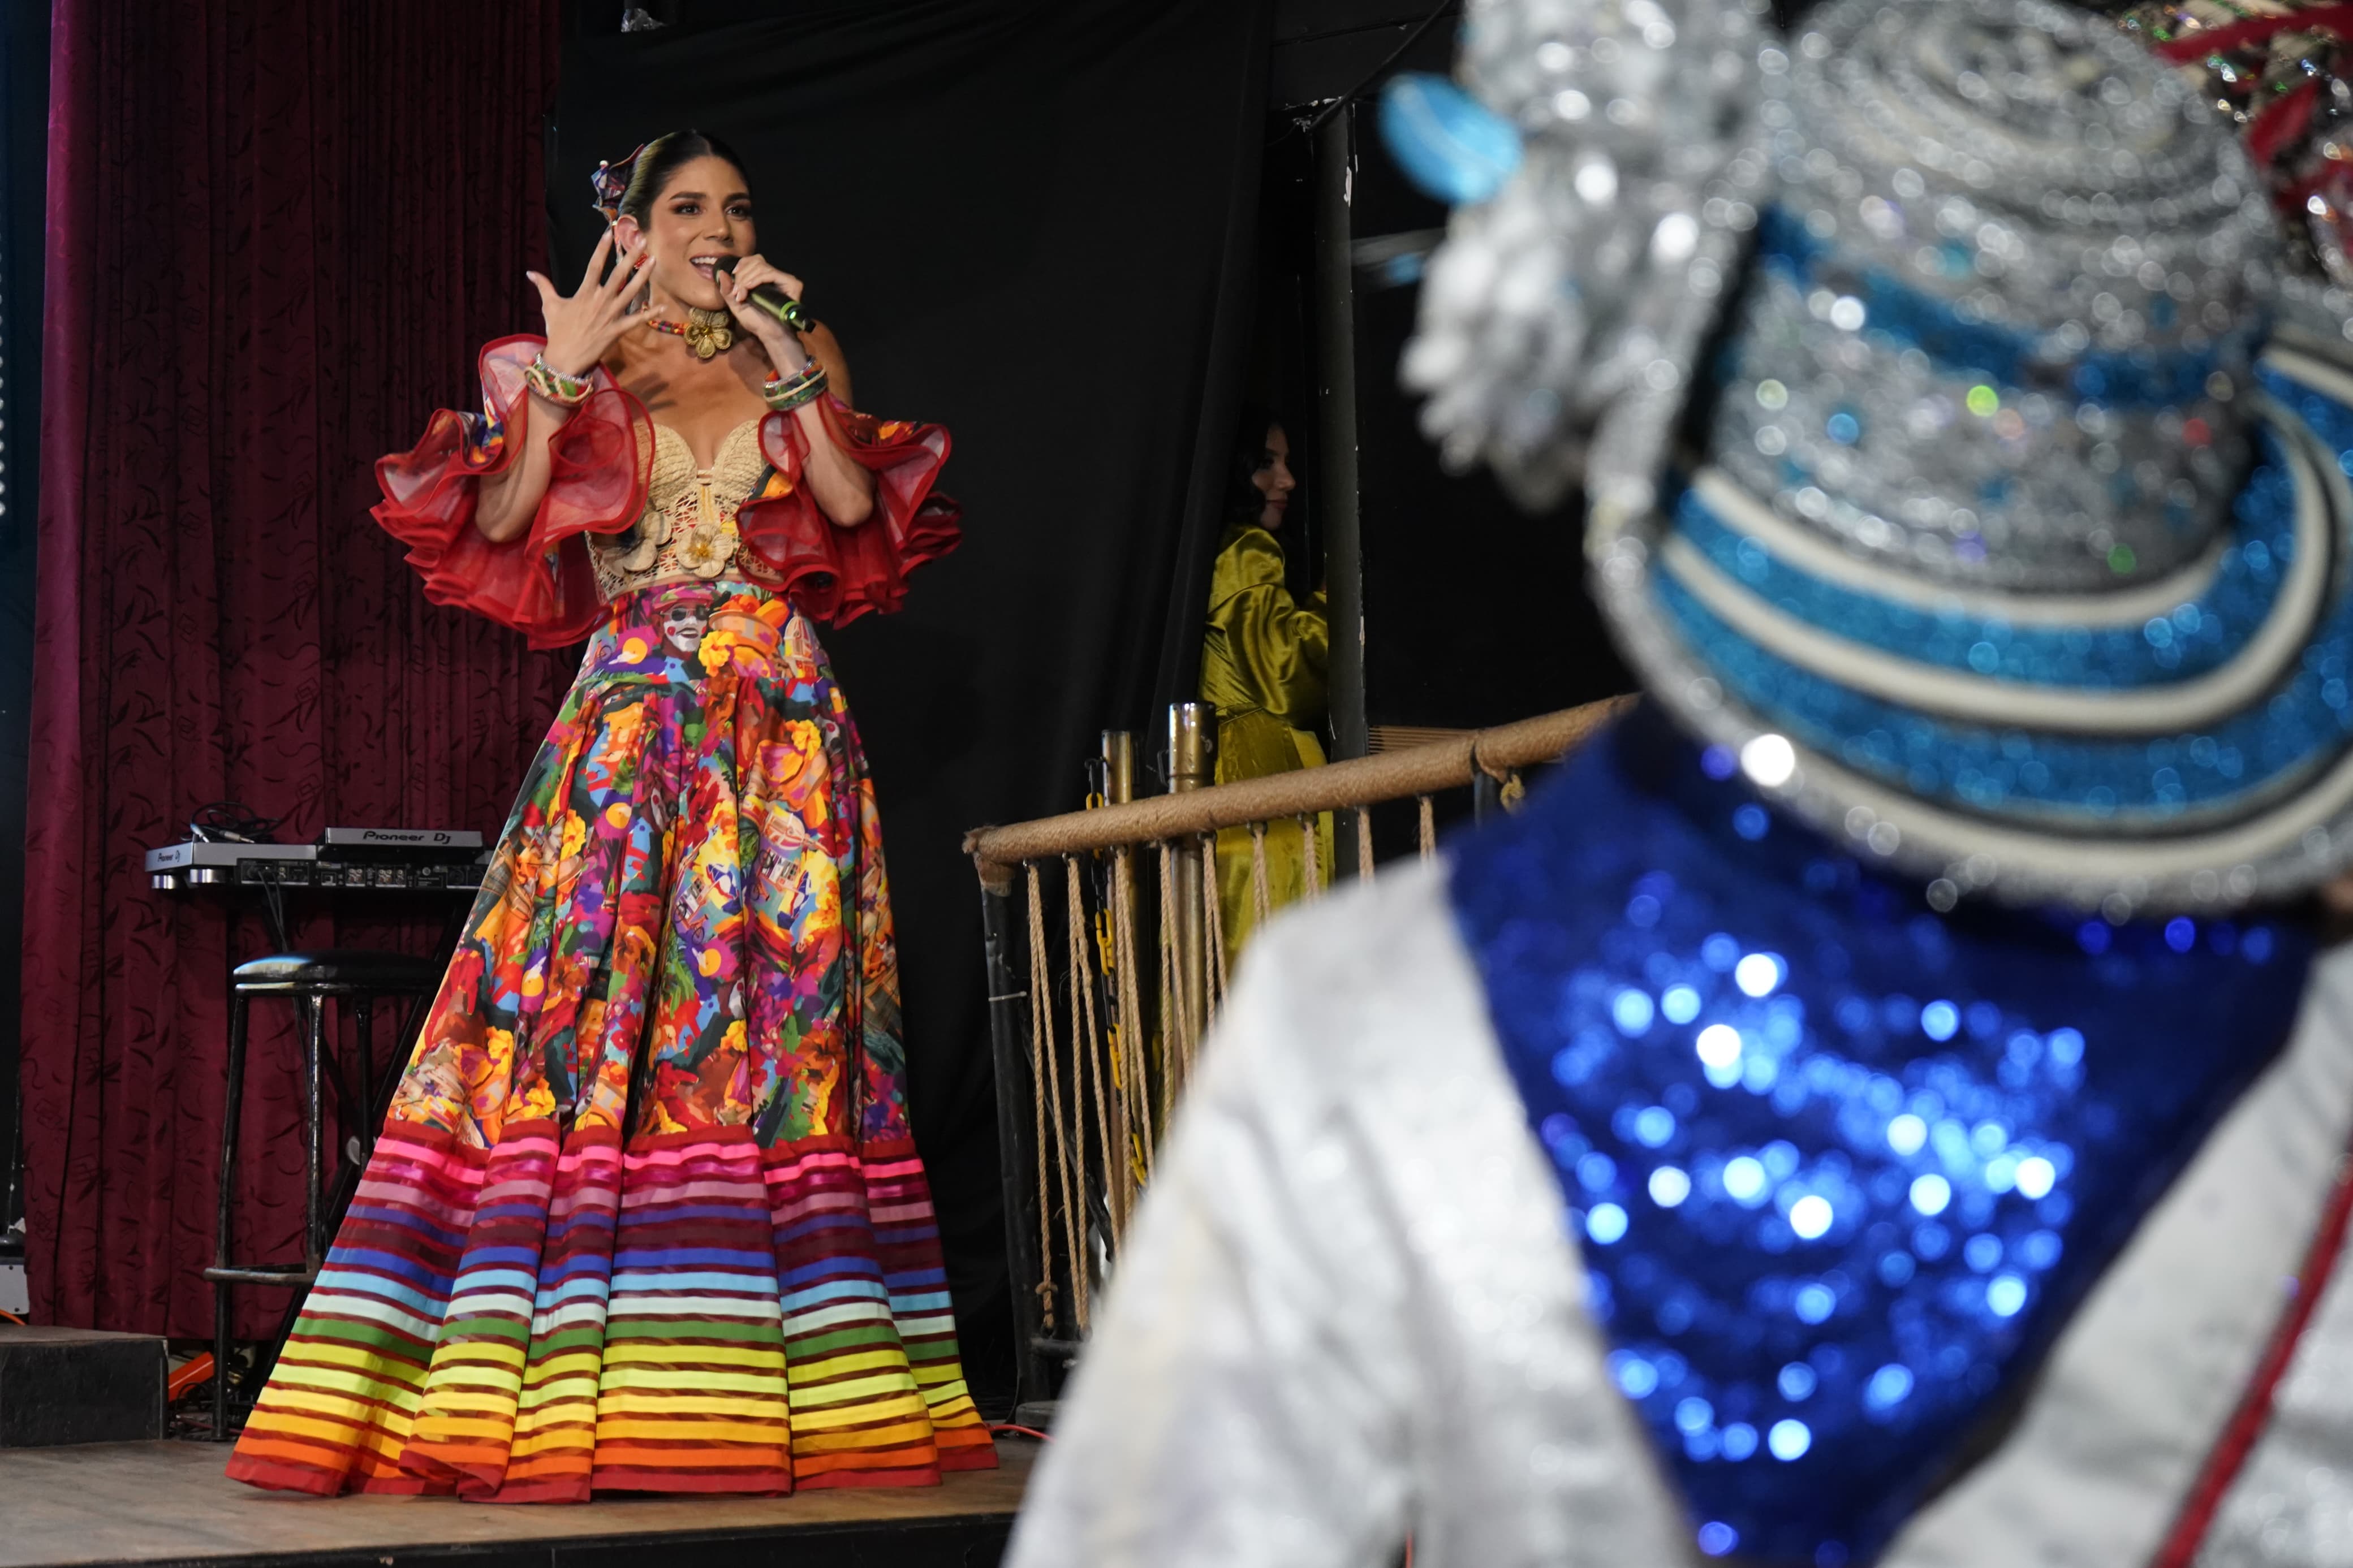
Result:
x=1262 y=665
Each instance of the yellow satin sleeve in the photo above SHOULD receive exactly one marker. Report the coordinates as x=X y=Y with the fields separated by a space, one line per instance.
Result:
x=1262 y=651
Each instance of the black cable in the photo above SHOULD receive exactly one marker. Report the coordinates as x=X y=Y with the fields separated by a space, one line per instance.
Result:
x=230 y=822
x=1395 y=55
x=12 y=1163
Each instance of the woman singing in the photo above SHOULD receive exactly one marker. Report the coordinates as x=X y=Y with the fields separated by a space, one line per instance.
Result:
x=646 y=1214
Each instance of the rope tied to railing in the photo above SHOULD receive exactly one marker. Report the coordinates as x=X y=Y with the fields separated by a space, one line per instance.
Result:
x=1131 y=1006
x=1213 y=939
x=1042 y=1040
x=1082 y=1006
x=1177 y=1021
x=1262 y=895
x=1038 y=1065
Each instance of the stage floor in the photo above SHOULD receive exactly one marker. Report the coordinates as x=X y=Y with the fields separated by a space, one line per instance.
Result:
x=156 y=1503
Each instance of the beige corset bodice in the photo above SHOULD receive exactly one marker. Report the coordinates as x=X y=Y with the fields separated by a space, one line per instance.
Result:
x=687 y=531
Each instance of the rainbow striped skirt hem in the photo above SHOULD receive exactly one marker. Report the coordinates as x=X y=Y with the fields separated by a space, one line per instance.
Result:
x=561 y=1315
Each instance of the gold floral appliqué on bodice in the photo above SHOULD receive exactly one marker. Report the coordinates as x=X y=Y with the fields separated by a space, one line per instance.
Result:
x=687 y=531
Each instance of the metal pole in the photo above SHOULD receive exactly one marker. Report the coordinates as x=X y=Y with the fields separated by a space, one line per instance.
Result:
x=1192 y=745
x=313 y=1010
x=223 y=1322
x=1119 y=788
x=1119 y=766
x=1009 y=1041
x=1336 y=374
x=1486 y=795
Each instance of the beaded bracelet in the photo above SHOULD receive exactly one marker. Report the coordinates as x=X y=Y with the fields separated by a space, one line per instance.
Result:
x=554 y=385
x=805 y=385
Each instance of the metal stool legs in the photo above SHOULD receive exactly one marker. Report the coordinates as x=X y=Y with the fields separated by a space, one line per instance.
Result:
x=364 y=1093
x=364 y=1079
x=313 y=1010
x=226 y=1275
x=225 y=1214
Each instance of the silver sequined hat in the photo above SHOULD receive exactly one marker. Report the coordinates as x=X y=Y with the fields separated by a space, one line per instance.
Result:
x=2008 y=539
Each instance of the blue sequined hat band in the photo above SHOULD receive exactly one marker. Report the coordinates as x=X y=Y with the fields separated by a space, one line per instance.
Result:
x=2210 y=804
x=2066 y=679
x=2211 y=610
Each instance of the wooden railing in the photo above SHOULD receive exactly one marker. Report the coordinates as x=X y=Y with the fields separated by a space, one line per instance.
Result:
x=1090 y=1062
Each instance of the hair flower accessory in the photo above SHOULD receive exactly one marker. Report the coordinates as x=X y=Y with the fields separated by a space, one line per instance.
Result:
x=611 y=183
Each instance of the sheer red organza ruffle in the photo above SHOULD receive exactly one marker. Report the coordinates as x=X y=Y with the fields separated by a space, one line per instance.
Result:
x=837 y=575
x=540 y=583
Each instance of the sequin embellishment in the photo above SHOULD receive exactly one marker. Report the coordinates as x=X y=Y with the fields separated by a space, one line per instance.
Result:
x=2200 y=634
x=2078 y=781
x=1840 y=1166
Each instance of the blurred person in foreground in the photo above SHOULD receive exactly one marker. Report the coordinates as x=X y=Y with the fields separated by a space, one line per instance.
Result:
x=1882 y=1102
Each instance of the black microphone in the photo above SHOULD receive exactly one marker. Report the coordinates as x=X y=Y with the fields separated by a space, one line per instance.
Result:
x=769 y=298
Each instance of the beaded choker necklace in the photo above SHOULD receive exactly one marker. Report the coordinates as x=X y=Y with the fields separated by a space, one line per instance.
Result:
x=707 y=333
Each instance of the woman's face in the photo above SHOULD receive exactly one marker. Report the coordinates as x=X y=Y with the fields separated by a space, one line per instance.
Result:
x=703 y=212
x=1273 y=477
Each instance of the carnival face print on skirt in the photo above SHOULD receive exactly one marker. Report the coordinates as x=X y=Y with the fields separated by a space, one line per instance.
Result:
x=683 y=870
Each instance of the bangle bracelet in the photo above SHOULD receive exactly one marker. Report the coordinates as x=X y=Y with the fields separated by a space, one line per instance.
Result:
x=556 y=386
x=811 y=369
x=786 y=393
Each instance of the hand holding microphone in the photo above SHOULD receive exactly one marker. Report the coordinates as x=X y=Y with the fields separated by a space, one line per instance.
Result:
x=751 y=280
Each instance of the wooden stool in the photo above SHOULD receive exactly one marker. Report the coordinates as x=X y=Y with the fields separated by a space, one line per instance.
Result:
x=357 y=977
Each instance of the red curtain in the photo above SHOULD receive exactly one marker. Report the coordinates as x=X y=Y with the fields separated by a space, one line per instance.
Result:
x=277 y=232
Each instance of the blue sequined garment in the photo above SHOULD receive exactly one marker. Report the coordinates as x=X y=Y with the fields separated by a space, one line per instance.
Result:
x=2200 y=634
x=1841 y=1166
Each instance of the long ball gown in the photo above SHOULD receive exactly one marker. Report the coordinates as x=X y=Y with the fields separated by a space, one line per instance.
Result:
x=646 y=1214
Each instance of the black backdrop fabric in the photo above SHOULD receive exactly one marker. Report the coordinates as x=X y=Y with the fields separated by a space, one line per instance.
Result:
x=1032 y=224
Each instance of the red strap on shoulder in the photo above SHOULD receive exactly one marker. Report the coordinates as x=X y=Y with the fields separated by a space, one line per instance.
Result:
x=2247 y=1423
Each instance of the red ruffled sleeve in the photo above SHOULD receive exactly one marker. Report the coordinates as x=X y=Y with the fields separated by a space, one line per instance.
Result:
x=541 y=583
x=834 y=574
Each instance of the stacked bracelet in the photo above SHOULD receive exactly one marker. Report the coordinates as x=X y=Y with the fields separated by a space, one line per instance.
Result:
x=786 y=393
x=554 y=385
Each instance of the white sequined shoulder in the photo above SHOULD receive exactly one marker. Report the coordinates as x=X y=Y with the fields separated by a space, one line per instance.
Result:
x=1349 y=1307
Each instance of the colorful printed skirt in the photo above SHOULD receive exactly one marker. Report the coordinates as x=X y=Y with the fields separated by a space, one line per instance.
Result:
x=646 y=1214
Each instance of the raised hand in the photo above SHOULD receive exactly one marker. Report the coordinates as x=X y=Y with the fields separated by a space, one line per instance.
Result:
x=582 y=325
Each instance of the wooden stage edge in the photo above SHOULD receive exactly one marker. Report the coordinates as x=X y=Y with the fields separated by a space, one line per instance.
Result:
x=161 y=1505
